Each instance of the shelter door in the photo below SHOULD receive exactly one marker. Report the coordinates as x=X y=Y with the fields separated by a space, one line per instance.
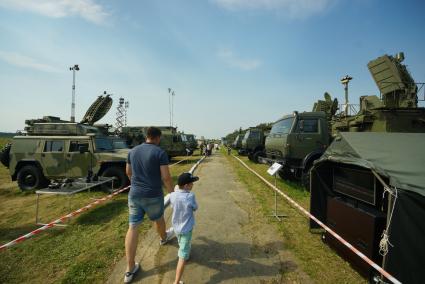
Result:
x=78 y=164
x=52 y=158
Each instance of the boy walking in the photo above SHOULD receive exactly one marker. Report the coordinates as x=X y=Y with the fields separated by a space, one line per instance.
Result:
x=183 y=220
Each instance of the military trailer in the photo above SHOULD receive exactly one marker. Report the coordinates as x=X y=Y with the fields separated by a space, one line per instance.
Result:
x=366 y=183
x=54 y=149
x=297 y=140
x=253 y=144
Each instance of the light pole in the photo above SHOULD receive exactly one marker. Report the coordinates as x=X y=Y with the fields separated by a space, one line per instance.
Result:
x=171 y=105
x=172 y=108
x=345 y=80
x=73 y=68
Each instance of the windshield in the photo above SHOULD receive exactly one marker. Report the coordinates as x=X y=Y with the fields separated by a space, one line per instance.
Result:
x=190 y=138
x=120 y=144
x=283 y=126
x=104 y=144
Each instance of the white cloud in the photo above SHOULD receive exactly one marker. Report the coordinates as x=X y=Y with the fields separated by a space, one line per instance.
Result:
x=234 y=61
x=20 y=60
x=87 y=9
x=292 y=8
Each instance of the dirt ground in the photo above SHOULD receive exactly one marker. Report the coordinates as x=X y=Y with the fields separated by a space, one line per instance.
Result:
x=232 y=241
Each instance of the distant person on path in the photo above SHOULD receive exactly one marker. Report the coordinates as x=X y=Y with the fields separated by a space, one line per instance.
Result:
x=146 y=165
x=201 y=147
x=209 y=149
x=229 y=150
x=184 y=203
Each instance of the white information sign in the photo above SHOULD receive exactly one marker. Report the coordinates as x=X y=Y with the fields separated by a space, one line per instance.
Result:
x=274 y=168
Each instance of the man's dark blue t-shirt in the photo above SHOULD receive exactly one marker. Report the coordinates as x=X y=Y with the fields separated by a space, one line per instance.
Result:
x=145 y=161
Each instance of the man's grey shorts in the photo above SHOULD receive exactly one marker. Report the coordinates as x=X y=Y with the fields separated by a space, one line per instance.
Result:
x=138 y=206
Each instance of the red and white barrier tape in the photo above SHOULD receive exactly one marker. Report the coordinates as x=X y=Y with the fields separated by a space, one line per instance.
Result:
x=61 y=219
x=74 y=213
x=338 y=237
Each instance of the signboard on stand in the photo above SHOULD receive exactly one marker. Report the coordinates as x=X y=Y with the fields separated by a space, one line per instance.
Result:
x=274 y=169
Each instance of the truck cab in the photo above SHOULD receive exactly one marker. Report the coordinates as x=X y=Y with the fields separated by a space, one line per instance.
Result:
x=295 y=141
x=253 y=144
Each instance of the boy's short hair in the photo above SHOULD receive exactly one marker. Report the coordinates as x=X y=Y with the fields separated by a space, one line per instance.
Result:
x=153 y=132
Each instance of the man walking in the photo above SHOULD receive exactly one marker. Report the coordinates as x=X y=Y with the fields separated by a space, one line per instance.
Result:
x=146 y=165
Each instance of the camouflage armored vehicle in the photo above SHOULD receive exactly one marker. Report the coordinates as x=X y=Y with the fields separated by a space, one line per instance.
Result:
x=297 y=140
x=171 y=141
x=53 y=149
x=237 y=143
x=253 y=144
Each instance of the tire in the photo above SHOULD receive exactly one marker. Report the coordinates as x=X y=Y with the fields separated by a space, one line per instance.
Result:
x=286 y=174
x=118 y=173
x=305 y=177
x=30 y=177
x=257 y=155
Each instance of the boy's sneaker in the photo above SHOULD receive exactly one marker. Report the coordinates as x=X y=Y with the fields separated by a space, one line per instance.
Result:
x=170 y=234
x=128 y=276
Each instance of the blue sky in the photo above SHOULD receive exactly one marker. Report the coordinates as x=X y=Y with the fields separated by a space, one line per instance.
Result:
x=231 y=63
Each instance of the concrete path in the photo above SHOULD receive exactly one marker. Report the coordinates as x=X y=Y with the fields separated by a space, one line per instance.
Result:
x=232 y=241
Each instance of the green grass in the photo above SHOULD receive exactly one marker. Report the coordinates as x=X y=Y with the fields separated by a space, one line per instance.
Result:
x=315 y=258
x=4 y=141
x=84 y=252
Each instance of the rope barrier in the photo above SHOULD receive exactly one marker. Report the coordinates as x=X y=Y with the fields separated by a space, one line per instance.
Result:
x=76 y=212
x=329 y=230
x=61 y=219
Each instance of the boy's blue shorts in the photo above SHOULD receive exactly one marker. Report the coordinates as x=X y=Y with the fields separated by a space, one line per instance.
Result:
x=185 y=243
x=137 y=207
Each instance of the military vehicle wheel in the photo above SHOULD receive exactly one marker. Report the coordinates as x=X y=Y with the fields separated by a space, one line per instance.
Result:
x=118 y=173
x=285 y=173
x=305 y=177
x=257 y=155
x=30 y=177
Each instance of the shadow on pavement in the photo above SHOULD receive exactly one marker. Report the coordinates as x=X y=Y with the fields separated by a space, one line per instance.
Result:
x=229 y=261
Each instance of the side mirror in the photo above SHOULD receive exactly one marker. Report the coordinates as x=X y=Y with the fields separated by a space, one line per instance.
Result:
x=83 y=149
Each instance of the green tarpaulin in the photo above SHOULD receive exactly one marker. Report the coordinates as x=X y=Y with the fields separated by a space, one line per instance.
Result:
x=398 y=156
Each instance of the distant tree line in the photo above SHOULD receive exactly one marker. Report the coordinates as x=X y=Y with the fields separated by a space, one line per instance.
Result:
x=7 y=134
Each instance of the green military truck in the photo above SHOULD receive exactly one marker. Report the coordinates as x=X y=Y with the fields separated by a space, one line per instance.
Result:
x=192 y=144
x=237 y=143
x=253 y=144
x=297 y=140
x=171 y=142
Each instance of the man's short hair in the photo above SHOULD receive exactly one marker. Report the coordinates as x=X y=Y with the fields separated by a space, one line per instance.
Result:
x=153 y=132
